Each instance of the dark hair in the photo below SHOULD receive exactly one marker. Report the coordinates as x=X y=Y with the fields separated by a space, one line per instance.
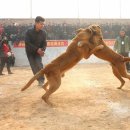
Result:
x=39 y=19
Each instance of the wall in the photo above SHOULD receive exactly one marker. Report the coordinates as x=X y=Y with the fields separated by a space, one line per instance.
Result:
x=51 y=53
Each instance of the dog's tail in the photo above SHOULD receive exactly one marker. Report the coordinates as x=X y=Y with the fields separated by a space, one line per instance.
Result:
x=37 y=75
x=126 y=59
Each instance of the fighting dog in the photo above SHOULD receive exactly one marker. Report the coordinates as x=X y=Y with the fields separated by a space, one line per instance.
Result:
x=116 y=60
x=54 y=70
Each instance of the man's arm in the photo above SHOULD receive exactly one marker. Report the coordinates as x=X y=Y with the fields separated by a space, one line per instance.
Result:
x=43 y=43
x=28 y=43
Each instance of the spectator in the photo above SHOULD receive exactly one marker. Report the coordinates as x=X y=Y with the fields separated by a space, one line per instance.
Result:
x=5 y=55
x=61 y=31
x=122 y=45
x=35 y=45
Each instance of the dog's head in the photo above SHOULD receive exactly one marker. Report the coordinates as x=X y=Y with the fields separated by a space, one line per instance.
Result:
x=83 y=34
x=96 y=29
x=96 y=34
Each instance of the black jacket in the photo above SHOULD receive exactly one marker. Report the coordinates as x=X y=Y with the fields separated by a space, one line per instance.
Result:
x=35 y=40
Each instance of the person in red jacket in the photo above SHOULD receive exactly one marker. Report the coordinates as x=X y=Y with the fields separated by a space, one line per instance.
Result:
x=5 y=56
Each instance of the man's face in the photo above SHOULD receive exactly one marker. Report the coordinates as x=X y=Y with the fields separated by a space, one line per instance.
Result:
x=39 y=25
x=122 y=33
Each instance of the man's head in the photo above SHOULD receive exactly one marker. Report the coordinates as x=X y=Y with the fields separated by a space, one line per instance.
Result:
x=39 y=23
x=122 y=32
x=5 y=40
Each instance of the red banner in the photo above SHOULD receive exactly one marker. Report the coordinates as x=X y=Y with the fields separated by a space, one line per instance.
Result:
x=109 y=42
x=50 y=43
x=60 y=43
x=57 y=43
x=20 y=44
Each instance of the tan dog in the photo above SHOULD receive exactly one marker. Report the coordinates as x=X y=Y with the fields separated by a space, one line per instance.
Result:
x=64 y=62
x=117 y=61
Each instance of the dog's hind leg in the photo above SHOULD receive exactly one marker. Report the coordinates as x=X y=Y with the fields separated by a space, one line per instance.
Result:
x=45 y=86
x=118 y=75
x=122 y=70
x=54 y=83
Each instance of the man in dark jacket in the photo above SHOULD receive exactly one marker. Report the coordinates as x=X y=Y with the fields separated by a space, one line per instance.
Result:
x=35 y=45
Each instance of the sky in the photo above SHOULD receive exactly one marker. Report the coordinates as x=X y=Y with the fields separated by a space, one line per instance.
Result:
x=111 y=9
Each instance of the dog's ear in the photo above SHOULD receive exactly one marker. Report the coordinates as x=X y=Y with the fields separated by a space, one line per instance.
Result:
x=94 y=27
x=98 y=26
x=79 y=30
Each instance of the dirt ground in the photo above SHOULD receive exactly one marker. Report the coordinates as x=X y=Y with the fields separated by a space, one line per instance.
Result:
x=88 y=99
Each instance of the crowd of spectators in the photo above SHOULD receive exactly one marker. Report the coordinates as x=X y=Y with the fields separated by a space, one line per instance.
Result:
x=64 y=31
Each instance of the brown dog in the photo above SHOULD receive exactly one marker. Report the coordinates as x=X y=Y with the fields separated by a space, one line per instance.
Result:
x=64 y=62
x=117 y=61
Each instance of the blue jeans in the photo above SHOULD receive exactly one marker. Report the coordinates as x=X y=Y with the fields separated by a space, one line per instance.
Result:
x=36 y=65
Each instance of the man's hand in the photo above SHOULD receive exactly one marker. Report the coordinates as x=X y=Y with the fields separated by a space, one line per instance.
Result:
x=40 y=52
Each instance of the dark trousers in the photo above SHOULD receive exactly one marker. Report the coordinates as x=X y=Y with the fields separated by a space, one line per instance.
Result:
x=125 y=54
x=35 y=62
x=3 y=61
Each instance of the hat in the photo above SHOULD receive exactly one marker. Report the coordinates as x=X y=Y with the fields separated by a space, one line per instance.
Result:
x=123 y=29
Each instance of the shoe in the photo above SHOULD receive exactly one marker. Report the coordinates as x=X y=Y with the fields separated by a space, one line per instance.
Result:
x=10 y=73
x=2 y=74
x=40 y=83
